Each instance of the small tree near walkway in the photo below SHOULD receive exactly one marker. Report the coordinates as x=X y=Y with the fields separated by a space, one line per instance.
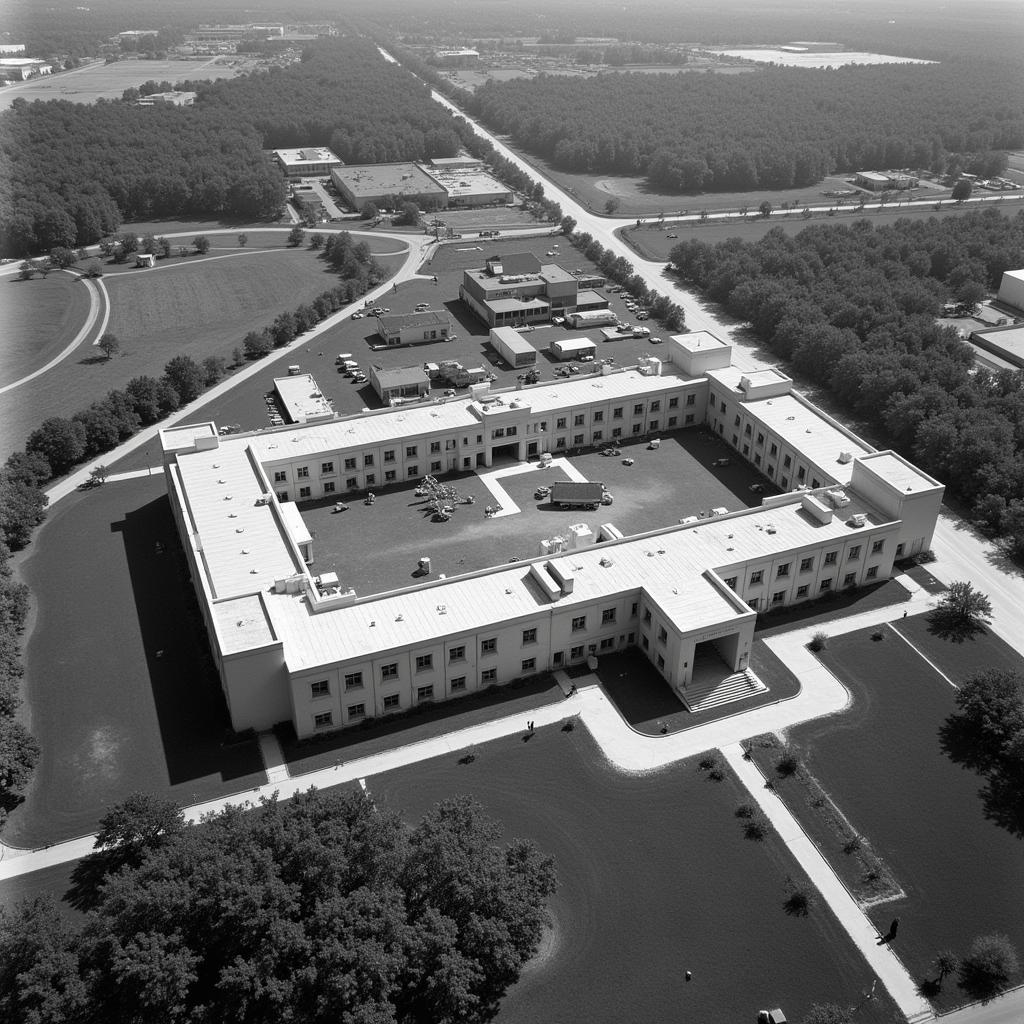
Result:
x=612 y=205
x=109 y=345
x=990 y=964
x=295 y=236
x=368 y=211
x=961 y=614
x=946 y=963
x=201 y=244
x=962 y=190
x=242 y=239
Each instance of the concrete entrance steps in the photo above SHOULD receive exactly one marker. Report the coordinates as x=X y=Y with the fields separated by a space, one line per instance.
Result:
x=715 y=692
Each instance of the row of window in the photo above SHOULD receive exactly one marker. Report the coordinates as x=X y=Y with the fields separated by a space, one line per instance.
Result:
x=807 y=564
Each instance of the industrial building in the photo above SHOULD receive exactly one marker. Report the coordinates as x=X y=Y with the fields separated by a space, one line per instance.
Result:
x=174 y=98
x=518 y=289
x=296 y=646
x=513 y=347
x=403 y=382
x=469 y=187
x=19 y=69
x=877 y=181
x=300 y=399
x=308 y=162
x=1011 y=289
x=414 y=328
x=388 y=186
x=1006 y=342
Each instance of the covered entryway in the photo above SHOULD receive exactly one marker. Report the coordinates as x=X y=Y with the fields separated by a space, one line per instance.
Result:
x=719 y=674
x=505 y=453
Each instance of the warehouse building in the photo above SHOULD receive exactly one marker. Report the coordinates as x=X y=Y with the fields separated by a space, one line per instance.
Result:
x=878 y=181
x=470 y=187
x=403 y=382
x=518 y=289
x=293 y=646
x=414 y=328
x=387 y=186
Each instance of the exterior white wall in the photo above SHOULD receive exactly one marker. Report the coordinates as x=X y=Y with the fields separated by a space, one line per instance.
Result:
x=256 y=688
x=1011 y=289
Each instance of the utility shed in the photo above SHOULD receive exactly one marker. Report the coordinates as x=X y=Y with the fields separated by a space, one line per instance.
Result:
x=513 y=347
x=572 y=348
x=576 y=495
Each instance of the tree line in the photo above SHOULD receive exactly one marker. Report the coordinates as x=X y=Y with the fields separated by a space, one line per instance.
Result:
x=774 y=128
x=854 y=308
x=324 y=908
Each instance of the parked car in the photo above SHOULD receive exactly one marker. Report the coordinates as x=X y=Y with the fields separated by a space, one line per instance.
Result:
x=357 y=316
x=655 y=341
x=541 y=492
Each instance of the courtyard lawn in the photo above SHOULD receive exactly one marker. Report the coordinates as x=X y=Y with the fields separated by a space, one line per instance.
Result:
x=882 y=764
x=119 y=686
x=196 y=306
x=662 y=486
x=655 y=879
x=960 y=661
x=836 y=604
x=41 y=317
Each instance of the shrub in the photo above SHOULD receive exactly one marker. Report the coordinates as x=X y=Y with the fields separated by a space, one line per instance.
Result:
x=877 y=635
x=852 y=845
x=756 y=829
x=788 y=764
x=745 y=811
x=799 y=899
x=819 y=641
x=989 y=964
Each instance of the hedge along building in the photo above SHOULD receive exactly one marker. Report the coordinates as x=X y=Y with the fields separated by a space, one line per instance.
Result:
x=293 y=646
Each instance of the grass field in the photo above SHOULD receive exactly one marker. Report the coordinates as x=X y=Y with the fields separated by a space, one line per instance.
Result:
x=109 y=81
x=882 y=764
x=196 y=306
x=40 y=318
x=113 y=717
x=655 y=879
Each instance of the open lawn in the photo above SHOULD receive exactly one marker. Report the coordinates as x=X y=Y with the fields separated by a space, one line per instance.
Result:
x=961 y=661
x=40 y=318
x=663 y=485
x=118 y=682
x=652 y=242
x=197 y=305
x=109 y=81
x=882 y=764
x=655 y=879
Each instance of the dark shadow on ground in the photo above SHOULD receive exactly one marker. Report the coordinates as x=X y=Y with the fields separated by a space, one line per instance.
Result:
x=645 y=700
x=849 y=602
x=433 y=720
x=194 y=726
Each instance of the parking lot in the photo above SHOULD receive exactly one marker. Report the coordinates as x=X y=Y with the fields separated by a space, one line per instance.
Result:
x=376 y=548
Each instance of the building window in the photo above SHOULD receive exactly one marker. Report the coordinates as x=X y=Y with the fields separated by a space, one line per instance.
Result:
x=608 y=643
x=324 y=720
x=647 y=616
x=778 y=597
x=690 y=419
x=802 y=591
x=304 y=492
x=655 y=406
x=424 y=693
x=801 y=473
x=529 y=636
x=424 y=662
x=673 y=421
x=489 y=675
x=854 y=553
x=561 y=423
x=413 y=471
x=731 y=582
x=662 y=635
x=617 y=413
x=785 y=483
x=575 y=653
x=637 y=427
x=598 y=435
x=280 y=476
x=617 y=432
x=722 y=407
x=608 y=615
x=773 y=449
x=389 y=455
x=735 y=440
x=458 y=684
x=814 y=483
x=351 y=483
x=673 y=403
x=302 y=472
x=579 y=623
x=634 y=608
x=560 y=442
x=410 y=451
x=653 y=425
x=579 y=420
x=329 y=487
x=783 y=570
x=392 y=701
x=899 y=550
x=638 y=409
x=872 y=572
x=390 y=476
x=754 y=603
x=326 y=467
x=350 y=463
x=787 y=461
x=321 y=688
x=599 y=416
x=830 y=557
x=746 y=449
x=757 y=460
x=736 y=422
x=876 y=547
x=354 y=681
x=489 y=646
x=826 y=584
x=849 y=579
x=368 y=460
x=356 y=711
x=806 y=564
x=645 y=643
x=529 y=664
x=756 y=577
x=435 y=467
x=389 y=671
x=760 y=438
x=435 y=447
x=577 y=439
x=661 y=662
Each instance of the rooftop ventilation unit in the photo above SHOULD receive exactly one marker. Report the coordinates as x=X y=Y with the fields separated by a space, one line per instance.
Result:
x=845 y=457
x=857 y=520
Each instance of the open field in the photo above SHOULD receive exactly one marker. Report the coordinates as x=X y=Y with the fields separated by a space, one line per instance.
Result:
x=108 y=81
x=655 y=879
x=663 y=485
x=40 y=318
x=882 y=764
x=961 y=661
x=652 y=242
x=118 y=679
x=814 y=59
x=197 y=305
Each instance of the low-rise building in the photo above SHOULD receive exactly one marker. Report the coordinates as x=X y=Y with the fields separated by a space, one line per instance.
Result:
x=174 y=98
x=403 y=382
x=388 y=186
x=19 y=69
x=297 y=647
x=879 y=181
x=1011 y=289
x=414 y=328
x=301 y=400
x=470 y=187
x=308 y=162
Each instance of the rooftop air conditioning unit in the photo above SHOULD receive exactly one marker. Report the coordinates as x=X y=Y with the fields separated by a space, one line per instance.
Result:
x=845 y=457
x=857 y=520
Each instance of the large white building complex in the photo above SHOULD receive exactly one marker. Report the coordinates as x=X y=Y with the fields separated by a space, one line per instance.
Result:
x=291 y=645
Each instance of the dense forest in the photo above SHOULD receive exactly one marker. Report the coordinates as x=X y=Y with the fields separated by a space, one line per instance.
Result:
x=773 y=128
x=853 y=308
x=71 y=173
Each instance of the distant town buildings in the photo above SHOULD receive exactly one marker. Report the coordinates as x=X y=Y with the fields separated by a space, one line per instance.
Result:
x=18 y=69
x=174 y=98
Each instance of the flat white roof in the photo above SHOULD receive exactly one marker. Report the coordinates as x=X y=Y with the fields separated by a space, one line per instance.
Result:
x=901 y=474
x=700 y=341
x=302 y=398
x=186 y=435
x=306 y=155
x=470 y=182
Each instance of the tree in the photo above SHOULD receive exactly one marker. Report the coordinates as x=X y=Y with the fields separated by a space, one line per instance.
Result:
x=826 y=1013
x=612 y=205
x=185 y=376
x=201 y=244
x=961 y=614
x=243 y=238
x=970 y=294
x=316 y=240
x=22 y=509
x=962 y=190
x=62 y=257
x=109 y=345
x=93 y=267
x=368 y=211
x=327 y=907
x=283 y=329
x=568 y=225
x=163 y=248
x=988 y=966
x=98 y=475
x=257 y=344
x=409 y=214
x=19 y=753
x=139 y=822
x=946 y=963
x=61 y=442
x=26 y=467
x=214 y=368
x=766 y=209
x=296 y=235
